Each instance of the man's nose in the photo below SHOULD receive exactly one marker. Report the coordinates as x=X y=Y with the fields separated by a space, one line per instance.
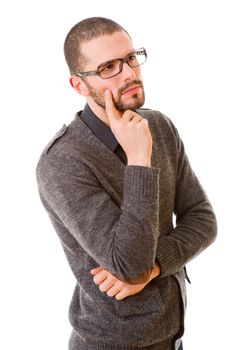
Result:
x=128 y=73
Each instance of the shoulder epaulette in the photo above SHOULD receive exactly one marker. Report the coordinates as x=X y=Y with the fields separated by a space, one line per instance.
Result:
x=57 y=136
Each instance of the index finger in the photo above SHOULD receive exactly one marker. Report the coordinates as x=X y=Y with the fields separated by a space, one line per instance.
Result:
x=110 y=108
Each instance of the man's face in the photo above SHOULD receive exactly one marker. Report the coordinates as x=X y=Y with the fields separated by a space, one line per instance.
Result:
x=127 y=87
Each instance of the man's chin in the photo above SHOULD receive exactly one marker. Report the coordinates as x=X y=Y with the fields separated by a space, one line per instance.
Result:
x=122 y=107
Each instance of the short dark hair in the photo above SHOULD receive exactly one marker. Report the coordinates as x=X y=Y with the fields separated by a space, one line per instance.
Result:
x=84 y=31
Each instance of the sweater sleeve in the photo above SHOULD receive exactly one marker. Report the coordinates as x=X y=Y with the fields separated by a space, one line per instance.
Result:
x=121 y=239
x=196 y=225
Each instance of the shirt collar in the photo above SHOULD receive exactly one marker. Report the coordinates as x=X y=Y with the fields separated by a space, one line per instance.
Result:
x=99 y=128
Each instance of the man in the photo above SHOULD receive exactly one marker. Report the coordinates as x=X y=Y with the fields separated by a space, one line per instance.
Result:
x=110 y=182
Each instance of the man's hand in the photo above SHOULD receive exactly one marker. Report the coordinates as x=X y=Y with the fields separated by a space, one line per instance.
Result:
x=131 y=131
x=114 y=287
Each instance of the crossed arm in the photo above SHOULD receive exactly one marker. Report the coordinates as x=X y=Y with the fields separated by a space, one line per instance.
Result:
x=195 y=229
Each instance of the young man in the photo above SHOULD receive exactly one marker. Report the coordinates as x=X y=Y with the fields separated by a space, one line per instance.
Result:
x=110 y=182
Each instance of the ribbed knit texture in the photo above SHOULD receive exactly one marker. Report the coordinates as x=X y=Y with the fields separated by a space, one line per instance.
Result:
x=140 y=179
x=120 y=217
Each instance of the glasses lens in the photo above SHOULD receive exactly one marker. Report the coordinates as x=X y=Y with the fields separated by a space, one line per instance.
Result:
x=109 y=69
x=137 y=58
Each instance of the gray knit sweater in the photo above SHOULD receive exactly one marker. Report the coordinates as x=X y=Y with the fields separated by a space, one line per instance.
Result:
x=120 y=217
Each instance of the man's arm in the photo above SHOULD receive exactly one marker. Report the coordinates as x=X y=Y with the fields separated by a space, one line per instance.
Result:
x=196 y=226
x=120 y=238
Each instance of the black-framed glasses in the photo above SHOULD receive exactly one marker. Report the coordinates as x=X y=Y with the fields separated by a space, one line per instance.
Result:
x=111 y=68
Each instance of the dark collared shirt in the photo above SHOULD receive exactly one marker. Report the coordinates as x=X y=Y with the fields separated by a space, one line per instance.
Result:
x=103 y=132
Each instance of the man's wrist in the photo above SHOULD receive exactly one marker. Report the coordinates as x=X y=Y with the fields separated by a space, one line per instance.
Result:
x=146 y=163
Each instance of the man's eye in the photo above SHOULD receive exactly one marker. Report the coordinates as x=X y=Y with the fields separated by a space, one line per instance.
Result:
x=132 y=57
x=108 y=67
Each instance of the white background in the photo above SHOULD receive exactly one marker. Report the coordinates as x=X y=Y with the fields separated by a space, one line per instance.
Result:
x=188 y=76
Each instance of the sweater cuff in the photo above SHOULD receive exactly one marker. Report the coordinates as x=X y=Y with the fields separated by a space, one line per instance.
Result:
x=167 y=256
x=141 y=182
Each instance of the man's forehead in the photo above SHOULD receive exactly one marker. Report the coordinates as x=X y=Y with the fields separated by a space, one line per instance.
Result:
x=107 y=47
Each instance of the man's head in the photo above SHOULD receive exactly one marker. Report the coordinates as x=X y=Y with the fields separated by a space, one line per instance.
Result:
x=95 y=41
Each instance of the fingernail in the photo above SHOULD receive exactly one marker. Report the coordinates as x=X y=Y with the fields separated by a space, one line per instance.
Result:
x=107 y=92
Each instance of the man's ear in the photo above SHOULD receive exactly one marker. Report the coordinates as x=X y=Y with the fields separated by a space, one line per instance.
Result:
x=78 y=84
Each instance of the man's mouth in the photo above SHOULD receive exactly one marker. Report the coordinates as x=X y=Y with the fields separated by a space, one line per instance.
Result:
x=132 y=90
